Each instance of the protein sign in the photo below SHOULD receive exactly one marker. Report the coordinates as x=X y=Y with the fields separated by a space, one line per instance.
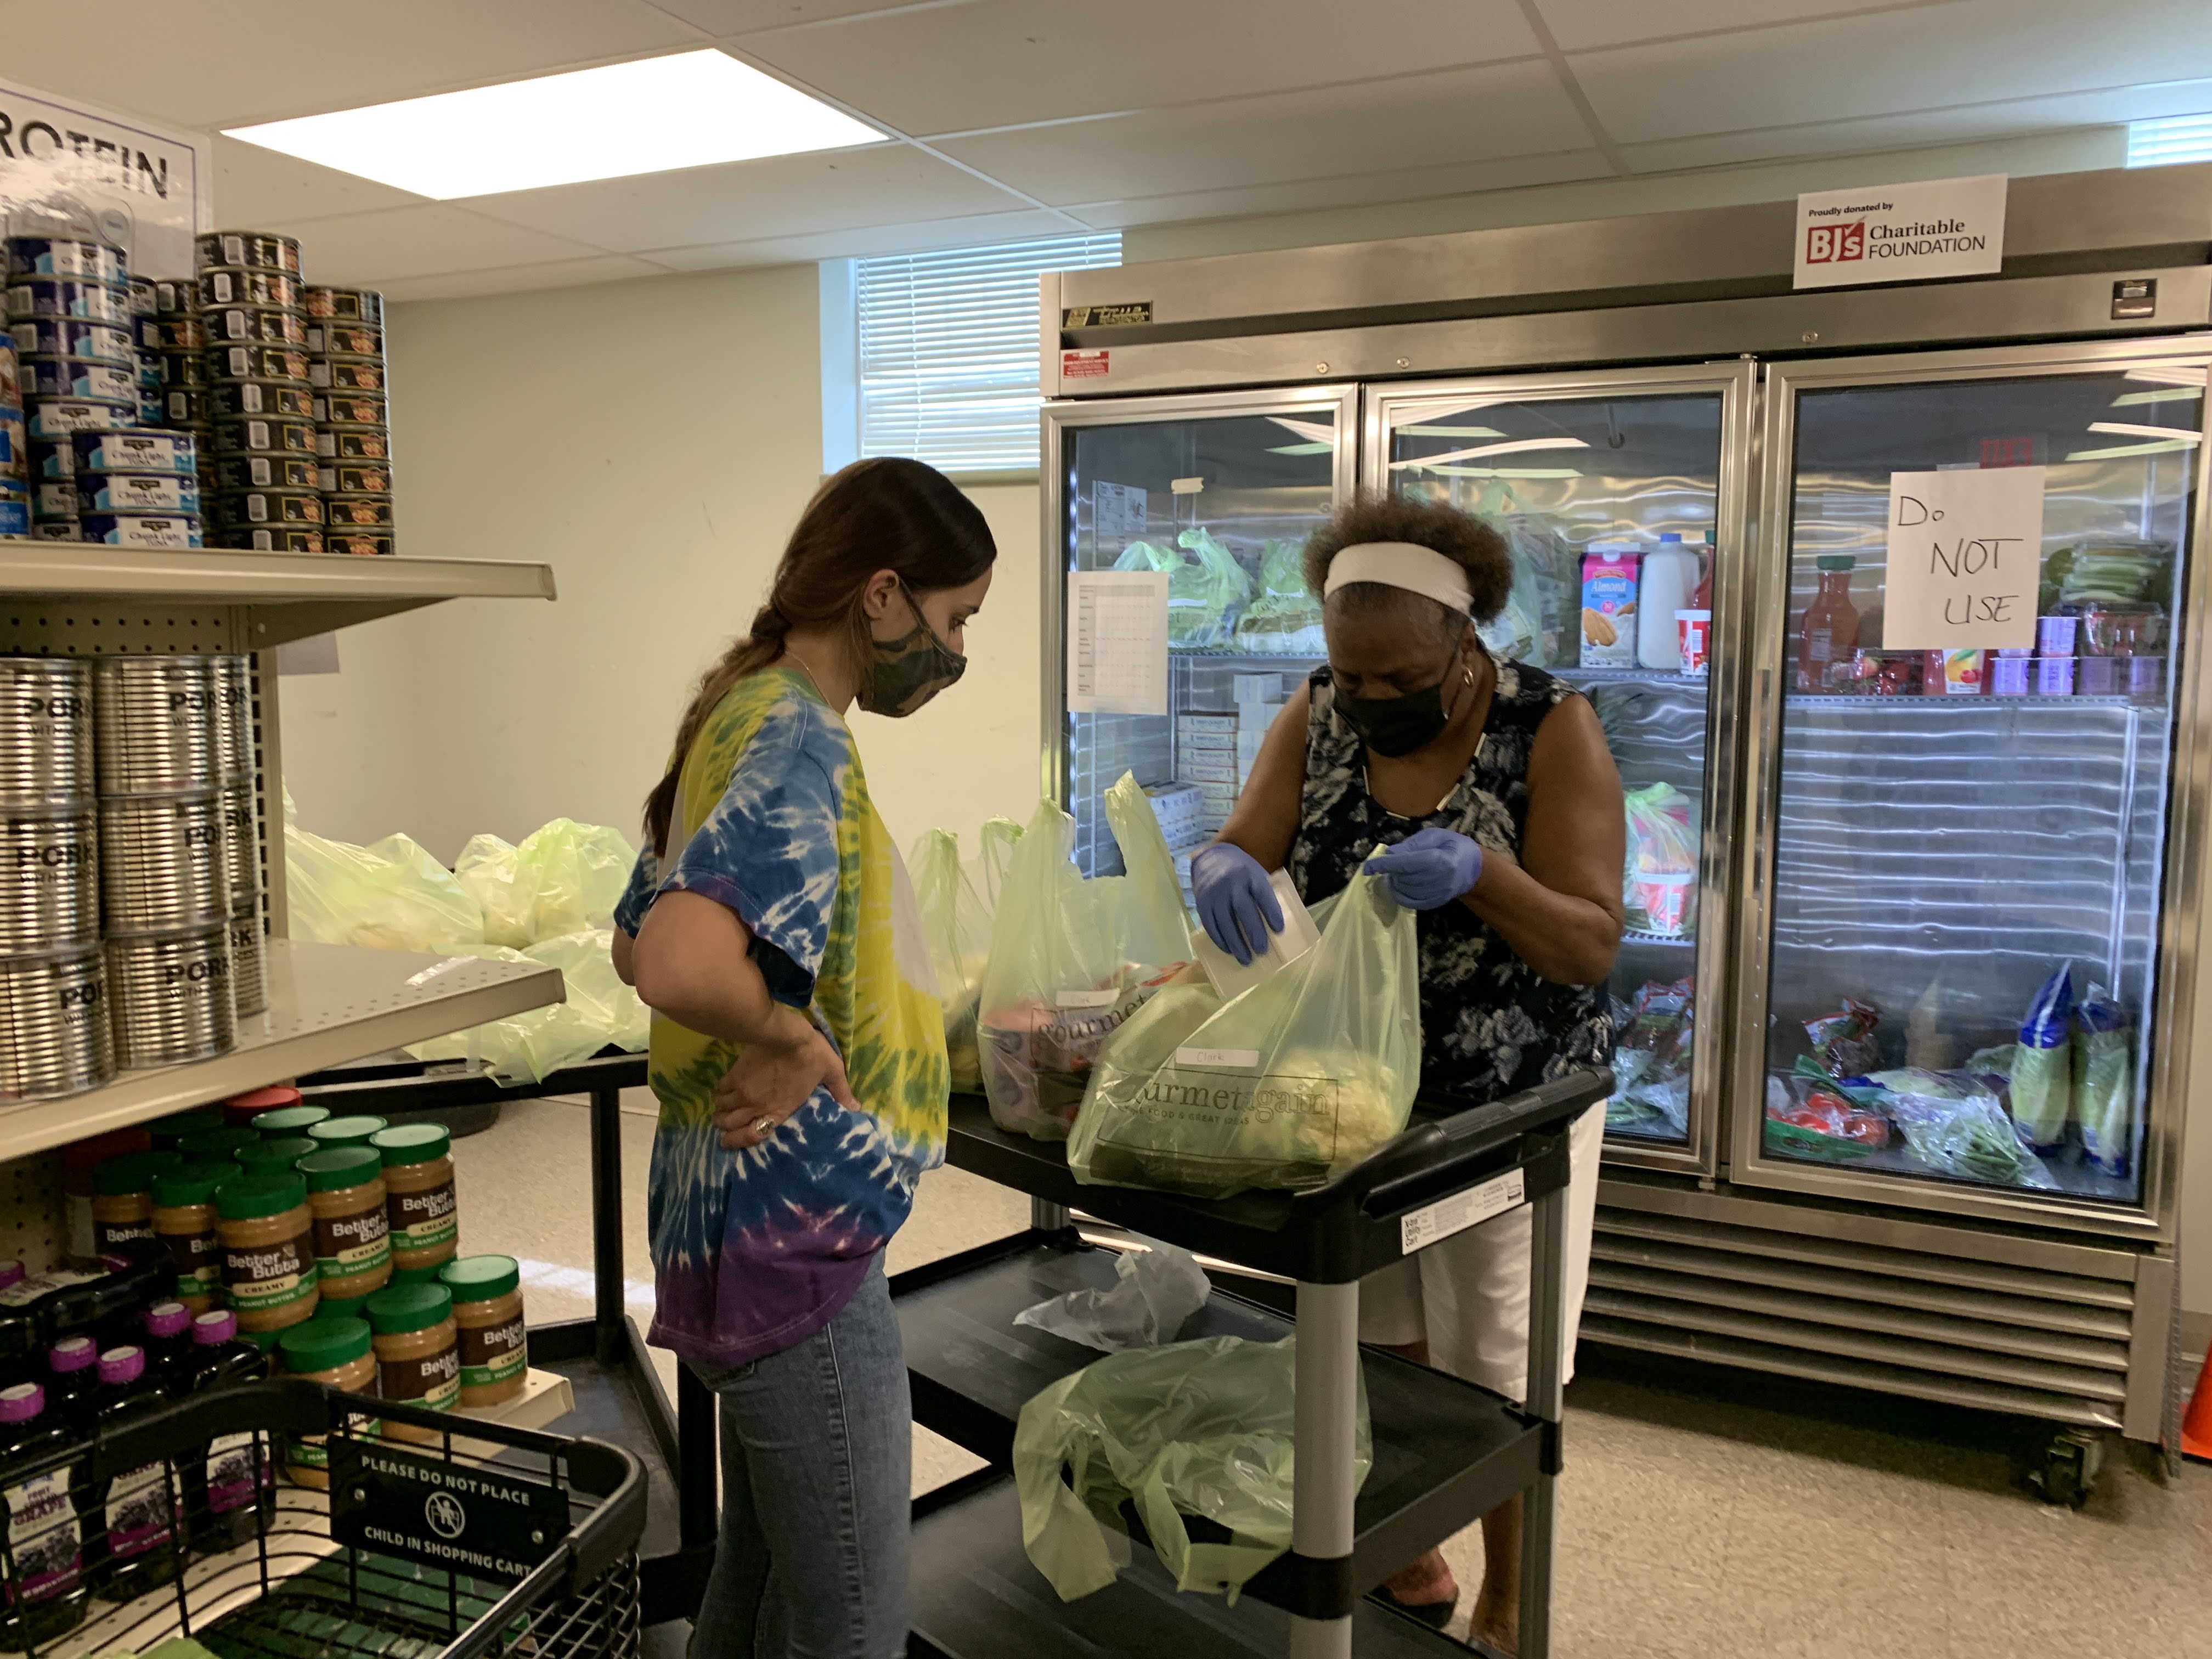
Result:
x=1901 y=232
x=72 y=170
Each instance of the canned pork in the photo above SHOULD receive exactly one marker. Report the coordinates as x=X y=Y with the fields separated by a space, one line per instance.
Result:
x=249 y=288
x=256 y=362
x=252 y=506
x=261 y=250
x=171 y=997
x=55 y=1010
x=358 y=543
x=184 y=333
x=265 y=397
x=356 y=512
x=46 y=731
x=347 y=305
x=168 y=534
x=287 y=437
x=163 y=865
x=71 y=336
x=234 y=723
x=60 y=417
x=135 y=450
x=75 y=377
x=241 y=843
x=348 y=374
x=267 y=325
x=153 y=733
x=348 y=443
x=162 y=493
x=249 y=983
x=64 y=296
x=49 y=880
x=49 y=256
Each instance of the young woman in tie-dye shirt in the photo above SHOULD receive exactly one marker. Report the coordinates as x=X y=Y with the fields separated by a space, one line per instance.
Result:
x=798 y=1057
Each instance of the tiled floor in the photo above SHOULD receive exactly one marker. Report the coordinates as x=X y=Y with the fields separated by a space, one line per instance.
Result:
x=1705 y=1514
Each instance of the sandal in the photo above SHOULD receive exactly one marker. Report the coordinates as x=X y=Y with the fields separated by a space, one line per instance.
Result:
x=1434 y=1614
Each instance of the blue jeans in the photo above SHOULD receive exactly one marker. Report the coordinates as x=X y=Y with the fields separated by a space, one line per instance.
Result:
x=818 y=1455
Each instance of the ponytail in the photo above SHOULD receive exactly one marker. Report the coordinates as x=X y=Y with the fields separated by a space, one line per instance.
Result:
x=749 y=655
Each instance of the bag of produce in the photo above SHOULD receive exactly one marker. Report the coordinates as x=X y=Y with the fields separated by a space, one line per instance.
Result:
x=389 y=895
x=1285 y=619
x=2103 y=1080
x=564 y=879
x=1294 y=1081
x=1843 y=1042
x=1202 y=590
x=1659 y=881
x=1651 y=1061
x=1071 y=959
x=1811 y=1122
x=956 y=924
x=600 y=1012
x=1203 y=1428
x=2043 y=1065
x=1956 y=1127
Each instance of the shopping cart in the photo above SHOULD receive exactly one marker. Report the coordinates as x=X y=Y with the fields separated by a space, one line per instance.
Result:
x=466 y=1539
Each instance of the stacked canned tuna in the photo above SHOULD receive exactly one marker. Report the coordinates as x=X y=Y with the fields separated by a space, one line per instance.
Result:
x=345 y=357
x=79 y=341
x=265 y=489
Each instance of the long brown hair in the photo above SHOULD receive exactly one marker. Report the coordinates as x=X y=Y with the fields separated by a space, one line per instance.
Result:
x=881 y=514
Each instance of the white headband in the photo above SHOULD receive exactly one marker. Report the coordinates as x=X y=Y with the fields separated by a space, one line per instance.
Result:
x=1401 y=564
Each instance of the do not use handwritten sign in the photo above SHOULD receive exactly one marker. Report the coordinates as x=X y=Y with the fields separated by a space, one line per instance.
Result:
x=1966 y=556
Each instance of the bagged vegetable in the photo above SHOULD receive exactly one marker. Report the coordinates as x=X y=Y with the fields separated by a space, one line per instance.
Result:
x=1296 y=1080
x=1659 y=882
x=1202 y=590
x=1651 y=1061
x=1201 y=1428
x=1285 y=619
x=1842 y=1044
x=1955 y=1126
x=1820 y=1123
x=1156 y=1289
x=2043 y=1065
x=956 y=924
x=565 y=878
x=389 y=895
x=600 y=1012
x=2103 y=1080
x=1071 y=959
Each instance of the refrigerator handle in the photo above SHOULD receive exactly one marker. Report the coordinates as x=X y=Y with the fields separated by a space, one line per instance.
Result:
x=1760 y=724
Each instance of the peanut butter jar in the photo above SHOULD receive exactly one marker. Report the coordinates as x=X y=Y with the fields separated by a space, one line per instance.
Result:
x=356 y=1131
x=184 y=1220
x=123 y=1199
x=418 y=1185
x=337 y=1352
x=418 y=1353
x=353 y=1242
x=268 y=1249
x=487 y=1292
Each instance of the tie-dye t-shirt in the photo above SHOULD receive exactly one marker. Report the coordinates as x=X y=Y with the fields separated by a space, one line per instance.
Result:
x=754 y=1251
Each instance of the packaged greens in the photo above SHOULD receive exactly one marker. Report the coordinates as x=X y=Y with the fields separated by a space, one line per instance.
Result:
x=1842 y=1044
x=2104 y=1083
x=1651 y=1061
x=2043 y=1065
x=1285 y=619
x=1805 y=1121
x=1955 y=1126
x=1295 y=1079
x=1202 y=590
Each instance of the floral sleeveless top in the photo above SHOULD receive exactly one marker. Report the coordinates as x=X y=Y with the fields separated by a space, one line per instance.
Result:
x=1489 y=1026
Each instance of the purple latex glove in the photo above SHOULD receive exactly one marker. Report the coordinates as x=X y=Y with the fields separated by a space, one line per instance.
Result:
x=1429 y=868
x=1235 y=905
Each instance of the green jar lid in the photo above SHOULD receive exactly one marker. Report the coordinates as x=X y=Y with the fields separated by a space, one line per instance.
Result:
x=341 y=1307
x=1834 y=562
x=344 y=1131
x=168 y=1131
x=481 y=1278
x=413 y=1143
x=132 y=1172
x=324 y=1344
x=287 y=1120
x=262 y=1193
x=217 y=1144
x=336 y=1168
x=397 y=1308
x=279 y=1154
x=417 y=1275
x=188 y=1184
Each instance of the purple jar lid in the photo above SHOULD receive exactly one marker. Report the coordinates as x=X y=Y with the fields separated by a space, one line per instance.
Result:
x=211 y=1329
x=11 y=1272
x=72 y=1353
x=168 y=1319
x=21 y=1403
x=124 y=1365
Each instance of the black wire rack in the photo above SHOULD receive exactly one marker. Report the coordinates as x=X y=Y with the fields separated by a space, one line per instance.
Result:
x=437 y=1537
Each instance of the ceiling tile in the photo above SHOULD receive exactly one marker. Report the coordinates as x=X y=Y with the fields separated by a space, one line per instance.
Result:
x=1463 y=115
x=1577 y=25
x=727 y=17
x=999 y=63
x=431 y=239
x=262 y=59
x=745 y=201
x=515 y=279
x=971 y=230
x=1924 y=127
x=1304 y=195
x=1888 y=63
x=254 y=185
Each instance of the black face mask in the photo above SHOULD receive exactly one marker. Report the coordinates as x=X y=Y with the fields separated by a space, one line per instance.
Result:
x=908 y=671
x=1392 y=726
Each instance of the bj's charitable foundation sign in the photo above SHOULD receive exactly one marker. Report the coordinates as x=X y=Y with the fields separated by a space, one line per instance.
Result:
x=1900 y=233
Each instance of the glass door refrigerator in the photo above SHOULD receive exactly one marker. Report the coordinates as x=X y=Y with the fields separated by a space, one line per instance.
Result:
x=1218 y=491
x=1621 y=497
x=1966 y=963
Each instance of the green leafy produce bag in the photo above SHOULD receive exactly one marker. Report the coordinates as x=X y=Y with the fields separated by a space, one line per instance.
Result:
x=600 y=1012
x=1954 y=1126
x=389 y=895
x=1201 y=590
x=1201 y=1428
x=564 y=877
x=1070 y=959
x=1299 y=1078
x=1285 y=619
x=2103 y=1080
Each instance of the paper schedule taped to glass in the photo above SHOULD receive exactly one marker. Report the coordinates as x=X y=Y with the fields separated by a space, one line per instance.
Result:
x=1117 y=642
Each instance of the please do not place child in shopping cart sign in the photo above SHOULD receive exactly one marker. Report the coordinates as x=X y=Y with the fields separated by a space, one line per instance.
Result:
x=1965 y=559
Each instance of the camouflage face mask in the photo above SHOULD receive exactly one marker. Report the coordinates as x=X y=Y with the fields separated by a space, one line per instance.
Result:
x=908 y=671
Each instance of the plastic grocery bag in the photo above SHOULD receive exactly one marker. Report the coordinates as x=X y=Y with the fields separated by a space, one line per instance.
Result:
x=1659 y=879
x=390 y=895
x=2043 y=1066
x=1202 y=590
x=1070 y=959
x=995 y=853
x=1201 y=1428
x=1296 y=1080
x=956 y=924
x=1285 y=619
x=564 y=877
x=600 y=1012
x=1955 y=1126
x=2103 y=1080
x=1156 y=1289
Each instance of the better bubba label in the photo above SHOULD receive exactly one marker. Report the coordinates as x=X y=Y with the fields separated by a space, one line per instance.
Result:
x=352 y=1243
x=199 y=1257
x=107 y=1236
x=493 y=1353
x=421 y=1220
x=43 y=1536
x=269 y=1275
x=434 y=1381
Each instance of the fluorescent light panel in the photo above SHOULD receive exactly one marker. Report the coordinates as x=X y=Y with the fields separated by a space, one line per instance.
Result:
x=693 y=109
x=2128 y=429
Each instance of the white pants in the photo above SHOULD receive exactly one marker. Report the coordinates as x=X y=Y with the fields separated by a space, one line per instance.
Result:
x=1467 y=1295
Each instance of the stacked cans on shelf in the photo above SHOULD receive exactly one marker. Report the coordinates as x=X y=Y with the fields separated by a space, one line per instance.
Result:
x=81 y=365
x=130 y=918
x=345 y=357
x=264 y=493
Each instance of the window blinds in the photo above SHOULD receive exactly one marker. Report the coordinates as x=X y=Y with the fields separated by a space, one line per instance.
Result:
x=2178 y=138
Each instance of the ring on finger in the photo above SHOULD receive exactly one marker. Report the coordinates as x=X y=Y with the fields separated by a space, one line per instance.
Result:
x=761 y=1126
